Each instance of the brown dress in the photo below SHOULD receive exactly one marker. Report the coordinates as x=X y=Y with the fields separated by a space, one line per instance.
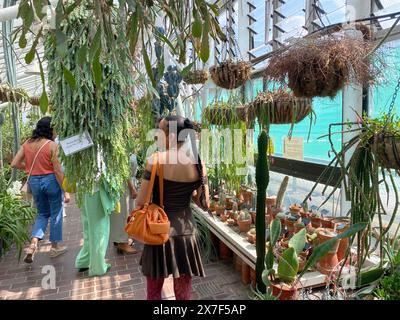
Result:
x=180 y=255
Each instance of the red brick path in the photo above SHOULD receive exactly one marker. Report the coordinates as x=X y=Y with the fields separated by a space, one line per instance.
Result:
x=123 y=281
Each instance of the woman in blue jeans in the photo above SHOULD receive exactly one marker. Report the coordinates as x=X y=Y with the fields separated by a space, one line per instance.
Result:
x=39 y=157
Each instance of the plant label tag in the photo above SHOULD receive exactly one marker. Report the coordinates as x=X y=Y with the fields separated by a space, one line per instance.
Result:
x=76 y=143
x=293 y=148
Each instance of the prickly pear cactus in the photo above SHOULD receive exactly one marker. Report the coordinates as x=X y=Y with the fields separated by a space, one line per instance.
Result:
x=262 y=180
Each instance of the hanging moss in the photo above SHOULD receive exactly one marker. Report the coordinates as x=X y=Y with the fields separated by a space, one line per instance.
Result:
x=91 y=90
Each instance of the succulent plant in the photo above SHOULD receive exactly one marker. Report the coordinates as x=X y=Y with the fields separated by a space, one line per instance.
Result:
x=244 y=215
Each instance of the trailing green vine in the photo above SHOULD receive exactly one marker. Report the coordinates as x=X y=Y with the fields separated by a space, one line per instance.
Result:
x=93 y=97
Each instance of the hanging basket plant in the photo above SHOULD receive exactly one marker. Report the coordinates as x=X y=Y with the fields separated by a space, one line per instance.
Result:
x=279 y=107
x=388 y=150
x=320 y=67
x=196 y=77
x=220 y=114
x=230 y=75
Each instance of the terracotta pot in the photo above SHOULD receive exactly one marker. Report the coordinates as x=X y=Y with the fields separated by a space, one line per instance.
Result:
x=270 y=201
x=344 y=243
x=285 y=292
x=247 y=195
x=290 y=225
x=315 y=222
x=295 y=209
x=302 y=263
x=224 y=252
x=298 y=228
x=304 y=254
x=329 y=262
x=228 y=202
x=244 y=225
x=224 y=217
x=327 y=222
x=253 y=277
x=220 y=210
x=245 y=274
x=304 y=214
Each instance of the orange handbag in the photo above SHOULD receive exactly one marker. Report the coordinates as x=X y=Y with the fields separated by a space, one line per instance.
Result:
x=149 y=224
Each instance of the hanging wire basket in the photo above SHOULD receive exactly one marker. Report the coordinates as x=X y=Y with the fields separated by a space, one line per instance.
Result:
x=196 y=77
x=387 y=149
x=230 y=75
x=278 y=107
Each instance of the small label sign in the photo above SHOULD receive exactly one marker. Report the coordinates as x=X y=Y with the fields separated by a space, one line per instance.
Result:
x=76 y=143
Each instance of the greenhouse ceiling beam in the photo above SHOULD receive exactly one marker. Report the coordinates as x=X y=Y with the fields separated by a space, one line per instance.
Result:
x=8 y=13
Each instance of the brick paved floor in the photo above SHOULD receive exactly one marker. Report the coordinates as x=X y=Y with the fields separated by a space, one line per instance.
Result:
x=123 y=281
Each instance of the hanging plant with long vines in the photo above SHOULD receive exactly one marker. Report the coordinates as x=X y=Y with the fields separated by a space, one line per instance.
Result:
x=91 y=97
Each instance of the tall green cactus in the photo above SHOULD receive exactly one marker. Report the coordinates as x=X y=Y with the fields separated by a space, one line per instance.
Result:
x=262 y=180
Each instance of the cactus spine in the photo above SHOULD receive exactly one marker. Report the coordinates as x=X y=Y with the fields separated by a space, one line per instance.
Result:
x=282 y=191
x=262 y=180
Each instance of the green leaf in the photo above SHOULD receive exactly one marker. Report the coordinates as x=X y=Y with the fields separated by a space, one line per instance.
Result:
x=133 y=31
x=197 y=27
x=205 y=46
x=96 y=45
x=31 y=54
x=186 y=69
x=81 y=55
x=97 y=70
x=166 y=41
x=70 y=78
x=39 y=5
x=61 y=40
x=147 y=64
x=275 y=231
x=25 y=12
x=298 y=241
x=22 y=40
x=265 y=277
x=44 y=102
x=269 y=259
x=288 y=266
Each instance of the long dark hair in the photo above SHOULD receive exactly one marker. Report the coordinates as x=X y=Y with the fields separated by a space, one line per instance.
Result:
x=43 y=129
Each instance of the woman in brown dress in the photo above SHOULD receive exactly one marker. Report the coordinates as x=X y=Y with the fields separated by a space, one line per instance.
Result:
x=184 y=180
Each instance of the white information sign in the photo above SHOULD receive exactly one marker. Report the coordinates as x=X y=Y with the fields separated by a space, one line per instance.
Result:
x=293 y=148
x=76 y=143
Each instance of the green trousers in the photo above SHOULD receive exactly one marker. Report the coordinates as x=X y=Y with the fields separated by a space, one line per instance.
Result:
x=95 y=214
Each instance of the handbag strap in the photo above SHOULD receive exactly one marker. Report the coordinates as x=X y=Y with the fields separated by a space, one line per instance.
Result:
x=34 y=159
x=156 y=166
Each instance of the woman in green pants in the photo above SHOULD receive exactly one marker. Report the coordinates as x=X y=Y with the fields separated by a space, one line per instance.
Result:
x=96 y=210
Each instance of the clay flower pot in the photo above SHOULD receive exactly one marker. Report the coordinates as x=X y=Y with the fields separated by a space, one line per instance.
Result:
x=344 y=243
x=298 y=227
x=295 y=209
x=329 y=262
x=270 y=201
x=284 y=243
x=315 y=221
x=327 y=222
x=290 y=223
x=304 y=214
x=219 y=210
x=251 y=237
x=284 y=291
x=224 y=217
x=244 y=225
x=228 y=202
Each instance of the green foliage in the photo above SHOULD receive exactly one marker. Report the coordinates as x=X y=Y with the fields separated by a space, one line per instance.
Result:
x=16 y=215
x=389 y=288
x=288 y=266
x=93 y=96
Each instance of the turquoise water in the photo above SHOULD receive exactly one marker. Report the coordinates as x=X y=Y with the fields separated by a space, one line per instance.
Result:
x=330 y=111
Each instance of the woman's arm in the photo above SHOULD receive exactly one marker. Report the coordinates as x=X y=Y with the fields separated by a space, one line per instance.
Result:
x=19 y=160
x=144 y=185
x=56 y=163
x=197 y=194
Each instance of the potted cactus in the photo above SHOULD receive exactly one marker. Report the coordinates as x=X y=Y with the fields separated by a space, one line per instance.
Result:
x=315 y=217
x=282 y=278
x=244 y=221
x=295 y=209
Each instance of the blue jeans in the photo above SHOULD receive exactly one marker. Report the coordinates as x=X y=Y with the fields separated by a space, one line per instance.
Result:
x=49 y=200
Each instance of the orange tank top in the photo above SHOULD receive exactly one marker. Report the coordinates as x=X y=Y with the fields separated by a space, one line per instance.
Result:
x=43 y=164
